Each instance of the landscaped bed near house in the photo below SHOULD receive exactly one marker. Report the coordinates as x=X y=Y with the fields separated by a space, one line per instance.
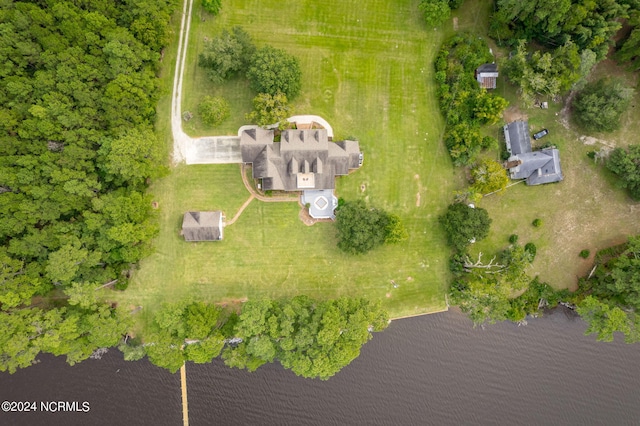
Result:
x=367 y=69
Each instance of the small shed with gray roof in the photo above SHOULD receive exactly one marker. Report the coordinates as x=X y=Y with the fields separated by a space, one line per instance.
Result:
x=537 y=167
x=202 y=226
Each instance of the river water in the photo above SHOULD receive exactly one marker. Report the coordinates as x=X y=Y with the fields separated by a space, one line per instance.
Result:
x=427 y=370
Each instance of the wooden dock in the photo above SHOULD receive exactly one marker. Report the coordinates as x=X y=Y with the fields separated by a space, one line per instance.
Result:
x=185 y=406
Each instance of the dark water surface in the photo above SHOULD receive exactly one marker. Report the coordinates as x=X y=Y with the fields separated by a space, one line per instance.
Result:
x=435 y=369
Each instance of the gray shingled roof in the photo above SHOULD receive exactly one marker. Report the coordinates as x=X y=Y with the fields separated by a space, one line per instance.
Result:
x=493 y=67
x=516 y=135
x=549 y=172
x=303 y=159
x=202 y=226
x=529 y=162
x=537 y=167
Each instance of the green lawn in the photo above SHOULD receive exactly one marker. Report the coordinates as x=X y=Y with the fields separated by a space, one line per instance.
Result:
x=367 y=69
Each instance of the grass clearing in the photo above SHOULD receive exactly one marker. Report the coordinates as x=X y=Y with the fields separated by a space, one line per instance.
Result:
x=367 y=68
x=585 y=211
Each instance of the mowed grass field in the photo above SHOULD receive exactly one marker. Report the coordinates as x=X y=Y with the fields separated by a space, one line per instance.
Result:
x=367 y=69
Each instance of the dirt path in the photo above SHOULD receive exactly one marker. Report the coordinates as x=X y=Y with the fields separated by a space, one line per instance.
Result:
x=244 y=206
x=206 y=149
x=180 y=139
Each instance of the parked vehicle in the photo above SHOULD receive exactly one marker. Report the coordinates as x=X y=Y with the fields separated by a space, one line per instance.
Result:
x=542 y=133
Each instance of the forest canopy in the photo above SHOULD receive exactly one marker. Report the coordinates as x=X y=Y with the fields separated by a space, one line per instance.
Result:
x=78 y=91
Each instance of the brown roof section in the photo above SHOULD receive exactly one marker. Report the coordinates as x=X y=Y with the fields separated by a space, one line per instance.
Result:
x=202 y=226
x=303 y=159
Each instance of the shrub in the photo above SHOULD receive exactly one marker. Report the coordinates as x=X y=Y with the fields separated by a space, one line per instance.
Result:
x=212 y=6
x=531 y=249
x=537 y=223
x=584 y=253
x=213 y=111
x=435 y=11
x=513 y=238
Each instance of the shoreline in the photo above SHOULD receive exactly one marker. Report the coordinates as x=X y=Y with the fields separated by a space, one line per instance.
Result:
x=420 y=315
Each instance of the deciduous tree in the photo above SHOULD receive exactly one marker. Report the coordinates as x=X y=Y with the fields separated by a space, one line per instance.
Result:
x=274 y=71
x=212 y=6
x=435 y=11
x=227 y=55
x=599 y=105
x=464 y=224
x=626 y=165
x=269 y=109
x=489 y=176
x=360 y=228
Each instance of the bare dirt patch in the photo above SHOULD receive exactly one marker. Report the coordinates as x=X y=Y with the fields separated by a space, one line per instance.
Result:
x=513 y=113
x=590 y=140
x=418 y=196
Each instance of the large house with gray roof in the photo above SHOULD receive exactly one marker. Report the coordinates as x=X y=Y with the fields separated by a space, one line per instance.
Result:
x=304 y=160
x=537 y=167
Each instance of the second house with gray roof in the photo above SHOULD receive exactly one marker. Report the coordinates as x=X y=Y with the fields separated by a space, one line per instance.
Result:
x=537 y=167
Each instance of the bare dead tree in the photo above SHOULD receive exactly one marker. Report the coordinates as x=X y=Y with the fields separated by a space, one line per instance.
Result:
x=490 y=268
x=107 y=284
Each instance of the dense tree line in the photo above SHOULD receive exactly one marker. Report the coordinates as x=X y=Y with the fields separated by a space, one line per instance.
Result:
x=589 y=24
x=464 y=104
x=629 y=48
x=312 y=338
x=574 y=35
x=78 y=90
x=609 y=299
x=548 y=73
